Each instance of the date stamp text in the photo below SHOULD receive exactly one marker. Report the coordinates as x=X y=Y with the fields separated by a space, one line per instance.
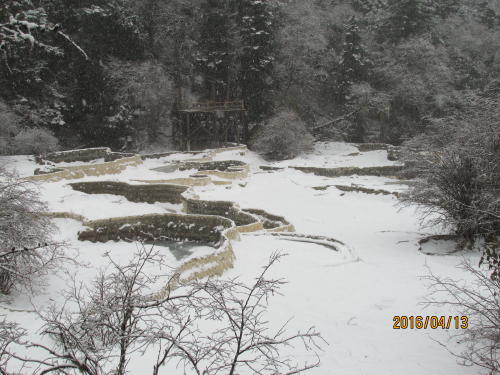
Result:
x=432 y=322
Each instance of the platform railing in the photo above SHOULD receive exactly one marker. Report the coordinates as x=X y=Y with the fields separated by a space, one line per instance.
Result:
x=210 y=106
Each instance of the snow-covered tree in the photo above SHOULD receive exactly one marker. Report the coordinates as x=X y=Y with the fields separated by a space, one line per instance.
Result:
x=445 y=8
x=27 y=250
x=148 y=91
x=310 y=40
x=354 y=65
x=487 y=15
x=216 y=55
x=406 y=18
x=236 y=53
x=28 y=42
x=11 y=334
x=24 y=24
x=172 y=32
x=257 y=26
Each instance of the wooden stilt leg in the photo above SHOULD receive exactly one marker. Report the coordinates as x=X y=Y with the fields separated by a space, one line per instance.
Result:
x=188 y=132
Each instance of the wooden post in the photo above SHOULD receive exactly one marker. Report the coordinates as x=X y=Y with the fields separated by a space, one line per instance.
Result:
x=216 y=129
x=244 y=121
x=175 y=126
x=212 y=91
x=188 y=132
x=179 y=97
x=227 y=124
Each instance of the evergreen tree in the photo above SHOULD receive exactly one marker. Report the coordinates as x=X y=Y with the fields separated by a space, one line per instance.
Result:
x=406 y=18
x=35 y=50
x=444 y=8
x=215 y=55
x=258 y=50
x=354 y=63
x=150 y=16
x=104 y=29
x=178 y=39
x=487 y=15
x=91 y=111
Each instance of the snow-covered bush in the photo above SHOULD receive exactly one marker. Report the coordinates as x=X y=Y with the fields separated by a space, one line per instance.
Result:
x=16 y=140
x=458 y=169
x=9 y=127
x=284 y=136
x=26 y=248
x=34 y=141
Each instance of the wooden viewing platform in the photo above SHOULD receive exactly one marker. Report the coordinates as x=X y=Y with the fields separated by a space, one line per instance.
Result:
x=208 y=124
x=210 y=106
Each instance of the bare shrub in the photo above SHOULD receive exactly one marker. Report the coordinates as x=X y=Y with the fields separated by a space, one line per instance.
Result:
x=479 y=301
x=26 y=248
x=241 y=340
x=10 y=335
x=107 y=321
x=456 y=165
x=117 y=316
x=284 y=136
x=34 y=141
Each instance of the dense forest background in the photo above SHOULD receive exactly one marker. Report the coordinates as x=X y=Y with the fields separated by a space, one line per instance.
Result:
x=88 y=73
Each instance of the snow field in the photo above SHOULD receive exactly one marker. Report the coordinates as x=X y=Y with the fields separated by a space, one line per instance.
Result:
x=350 y=297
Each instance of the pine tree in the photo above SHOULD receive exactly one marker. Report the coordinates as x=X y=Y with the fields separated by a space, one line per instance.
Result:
x=407 y=18
x=257 y=56
x=443 y=8
x=487 y=15
x=215 y=55
x=28 y=41
x=354 y=64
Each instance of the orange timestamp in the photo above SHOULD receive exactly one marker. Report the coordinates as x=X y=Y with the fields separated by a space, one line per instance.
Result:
x=432 y=322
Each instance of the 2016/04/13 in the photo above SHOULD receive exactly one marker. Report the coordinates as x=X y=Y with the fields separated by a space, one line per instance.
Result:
x=433 y=322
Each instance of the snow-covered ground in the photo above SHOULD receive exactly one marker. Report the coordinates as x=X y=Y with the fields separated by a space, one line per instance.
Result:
x=351 y=301
x=324 y=155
